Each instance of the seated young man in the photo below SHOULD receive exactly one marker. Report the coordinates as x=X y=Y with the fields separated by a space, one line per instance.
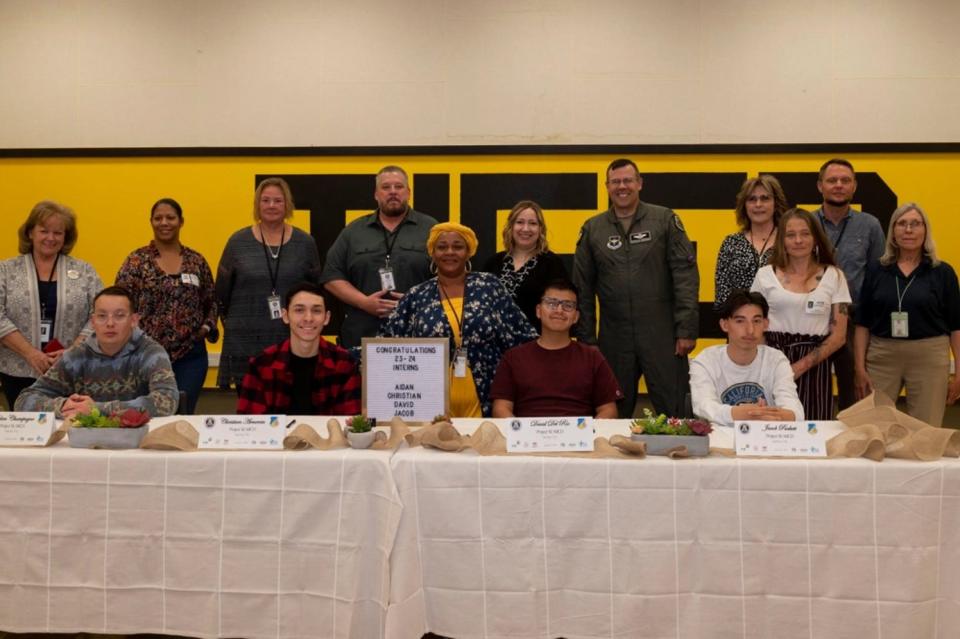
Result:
x=116 y=368
x=553 y=375
x=744 y=379
x=305 y=374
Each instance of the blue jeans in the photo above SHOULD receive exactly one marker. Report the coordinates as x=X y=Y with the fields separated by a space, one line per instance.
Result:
x=190 y=371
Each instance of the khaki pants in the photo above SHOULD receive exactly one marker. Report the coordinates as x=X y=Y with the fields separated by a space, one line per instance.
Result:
x=921 y=365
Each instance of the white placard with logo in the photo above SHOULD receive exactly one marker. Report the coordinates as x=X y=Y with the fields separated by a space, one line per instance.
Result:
x=405 y=377
x=26 y=429
x=239 y=432
x=549 y=434
x=780 y=439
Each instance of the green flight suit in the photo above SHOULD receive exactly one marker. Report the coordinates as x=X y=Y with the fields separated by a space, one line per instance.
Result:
x=648 y=287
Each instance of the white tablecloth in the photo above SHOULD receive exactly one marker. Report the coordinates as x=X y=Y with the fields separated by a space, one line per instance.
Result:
x=224 y=544
x=697 y=548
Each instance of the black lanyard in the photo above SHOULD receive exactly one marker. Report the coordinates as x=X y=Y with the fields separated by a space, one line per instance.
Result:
x=455 y=314
x=43 y=307
x=843 y=228
x=390 y=238
x=274 y=275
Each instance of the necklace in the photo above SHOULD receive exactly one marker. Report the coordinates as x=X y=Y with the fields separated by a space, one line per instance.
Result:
x=263 y=237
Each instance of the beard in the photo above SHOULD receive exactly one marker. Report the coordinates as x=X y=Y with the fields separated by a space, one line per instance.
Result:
x=838 y=203
x=394 y=209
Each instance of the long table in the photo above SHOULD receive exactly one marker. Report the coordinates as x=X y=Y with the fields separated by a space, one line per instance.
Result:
x=367 y=544
x=499 y=547
x=204 y=544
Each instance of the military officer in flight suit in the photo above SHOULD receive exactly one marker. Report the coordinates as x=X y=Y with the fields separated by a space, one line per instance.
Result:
x=637 y=260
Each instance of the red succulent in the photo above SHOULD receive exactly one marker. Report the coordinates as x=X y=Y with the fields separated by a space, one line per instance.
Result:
x=133 y=418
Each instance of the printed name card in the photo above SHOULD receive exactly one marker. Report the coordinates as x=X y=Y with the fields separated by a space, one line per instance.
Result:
x=780 y=439
x=26 y=429
x=550 y=434
x=405 y=377
x=239 y=432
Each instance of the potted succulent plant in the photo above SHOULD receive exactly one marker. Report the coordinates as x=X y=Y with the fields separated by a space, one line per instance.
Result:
x=360 y=431
x=663 y=434
x=117 y=430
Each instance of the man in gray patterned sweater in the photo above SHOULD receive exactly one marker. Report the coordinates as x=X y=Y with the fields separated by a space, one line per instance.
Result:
x=116 y=368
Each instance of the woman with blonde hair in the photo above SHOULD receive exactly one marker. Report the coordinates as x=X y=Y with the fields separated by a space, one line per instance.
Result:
x=908 y=320
x=760 y=204
x=526 y=264
x=46 y=297
x=258 y=265
x=808 y=298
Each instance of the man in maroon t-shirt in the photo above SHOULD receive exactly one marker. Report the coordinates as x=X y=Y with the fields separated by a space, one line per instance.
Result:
x=554 y=376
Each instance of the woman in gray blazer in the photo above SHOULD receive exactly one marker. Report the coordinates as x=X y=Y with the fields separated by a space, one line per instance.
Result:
x=45 y=297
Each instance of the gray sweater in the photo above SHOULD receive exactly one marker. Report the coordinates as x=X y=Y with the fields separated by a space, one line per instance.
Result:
x=139 y=376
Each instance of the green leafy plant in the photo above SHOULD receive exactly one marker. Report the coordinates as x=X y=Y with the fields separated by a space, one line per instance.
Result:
x=359 y=424
x=130 y=418
x=651 y=424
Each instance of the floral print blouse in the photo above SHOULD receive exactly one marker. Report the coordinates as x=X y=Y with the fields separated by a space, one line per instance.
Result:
x=172 y=308
x=492 y=324
x=737 y=265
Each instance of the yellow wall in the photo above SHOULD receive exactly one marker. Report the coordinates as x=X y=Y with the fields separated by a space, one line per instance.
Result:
x=112 y=196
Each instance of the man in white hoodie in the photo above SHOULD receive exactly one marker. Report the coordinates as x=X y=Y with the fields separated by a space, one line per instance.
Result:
x=116 y=368
x=743 y=379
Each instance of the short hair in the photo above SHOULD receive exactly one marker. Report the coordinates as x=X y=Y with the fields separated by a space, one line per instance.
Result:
x=305 y=287
x=742 y=297
x=822 y=249
x=172 y=203
x=40 y=213
x=772 y=186
x=561 y=284
x=619 y=163
x=115 y=291
x=515 y=212
x=828 y=163
x=891 y=251
x=281 y=184
x=393 y=168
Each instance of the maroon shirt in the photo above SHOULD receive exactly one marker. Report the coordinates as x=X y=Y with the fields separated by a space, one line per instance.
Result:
x=571 y=381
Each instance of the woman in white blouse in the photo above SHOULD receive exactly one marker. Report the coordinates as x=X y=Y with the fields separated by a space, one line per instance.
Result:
x=808 y=299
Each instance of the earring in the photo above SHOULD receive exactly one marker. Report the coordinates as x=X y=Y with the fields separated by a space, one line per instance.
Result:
x=433 y=267
x=469 y=266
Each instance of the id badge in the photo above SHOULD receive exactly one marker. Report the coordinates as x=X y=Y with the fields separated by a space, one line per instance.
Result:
x=189 y=278
x=386 y=279
x=460 y=363
x=45 y=326
x=899 y=324
x=273 y=303
x=816 y=307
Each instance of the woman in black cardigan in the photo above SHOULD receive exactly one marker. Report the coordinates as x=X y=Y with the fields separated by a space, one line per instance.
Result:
x=527 y=265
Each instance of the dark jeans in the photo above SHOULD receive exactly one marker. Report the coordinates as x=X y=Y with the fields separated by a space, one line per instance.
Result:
x=843 y=368
x=190 y=371
x=12 y=386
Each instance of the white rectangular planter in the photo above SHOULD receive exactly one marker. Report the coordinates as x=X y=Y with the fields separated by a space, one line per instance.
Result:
x=116 y=438
x=697 y=445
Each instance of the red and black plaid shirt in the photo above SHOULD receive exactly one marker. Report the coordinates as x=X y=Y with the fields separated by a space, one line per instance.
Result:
x=268 y=384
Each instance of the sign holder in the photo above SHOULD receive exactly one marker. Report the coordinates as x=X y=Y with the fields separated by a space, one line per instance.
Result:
x=406 y=377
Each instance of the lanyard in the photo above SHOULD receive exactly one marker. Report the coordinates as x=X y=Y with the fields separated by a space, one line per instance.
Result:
x=43 y=307
x=843 y=229
x=763 y=248
x=389 y=240
x=455 y=314
x=899 y=296
x=274 y=275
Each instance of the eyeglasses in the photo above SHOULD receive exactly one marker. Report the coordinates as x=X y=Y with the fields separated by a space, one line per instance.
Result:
x=759 y=198
x=909 y=224
x=624 y=182
x=553 y=304
x=103 y=318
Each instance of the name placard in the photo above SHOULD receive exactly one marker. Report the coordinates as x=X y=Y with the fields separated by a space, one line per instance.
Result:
x=780 y=439
x=405 y=377
x=239 y=432
x=26 y=429
x=550 y=434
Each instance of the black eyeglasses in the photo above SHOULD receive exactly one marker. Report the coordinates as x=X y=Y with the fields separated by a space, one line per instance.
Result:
x=553 y=304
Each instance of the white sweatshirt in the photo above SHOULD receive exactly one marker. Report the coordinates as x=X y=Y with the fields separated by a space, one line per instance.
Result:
x=717 y=383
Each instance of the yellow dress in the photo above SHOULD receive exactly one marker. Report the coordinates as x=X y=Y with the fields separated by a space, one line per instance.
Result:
x=464 y=401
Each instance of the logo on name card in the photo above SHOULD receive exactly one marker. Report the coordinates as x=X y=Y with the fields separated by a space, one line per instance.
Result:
x=581 y=423
x=811 y=428
x=42 y=418
x=744 y=428
x=209 y=422
x=274 y=421
x=515 y=424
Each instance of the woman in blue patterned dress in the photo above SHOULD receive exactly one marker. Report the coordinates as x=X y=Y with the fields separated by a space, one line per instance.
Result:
x=473 y=310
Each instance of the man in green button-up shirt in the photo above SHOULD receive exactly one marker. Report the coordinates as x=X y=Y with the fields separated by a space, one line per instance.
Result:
x=378 y=257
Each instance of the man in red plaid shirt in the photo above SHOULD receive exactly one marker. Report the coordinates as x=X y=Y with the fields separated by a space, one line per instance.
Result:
x=305 y=374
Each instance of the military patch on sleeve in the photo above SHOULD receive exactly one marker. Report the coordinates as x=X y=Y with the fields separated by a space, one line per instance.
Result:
x=678 y=223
